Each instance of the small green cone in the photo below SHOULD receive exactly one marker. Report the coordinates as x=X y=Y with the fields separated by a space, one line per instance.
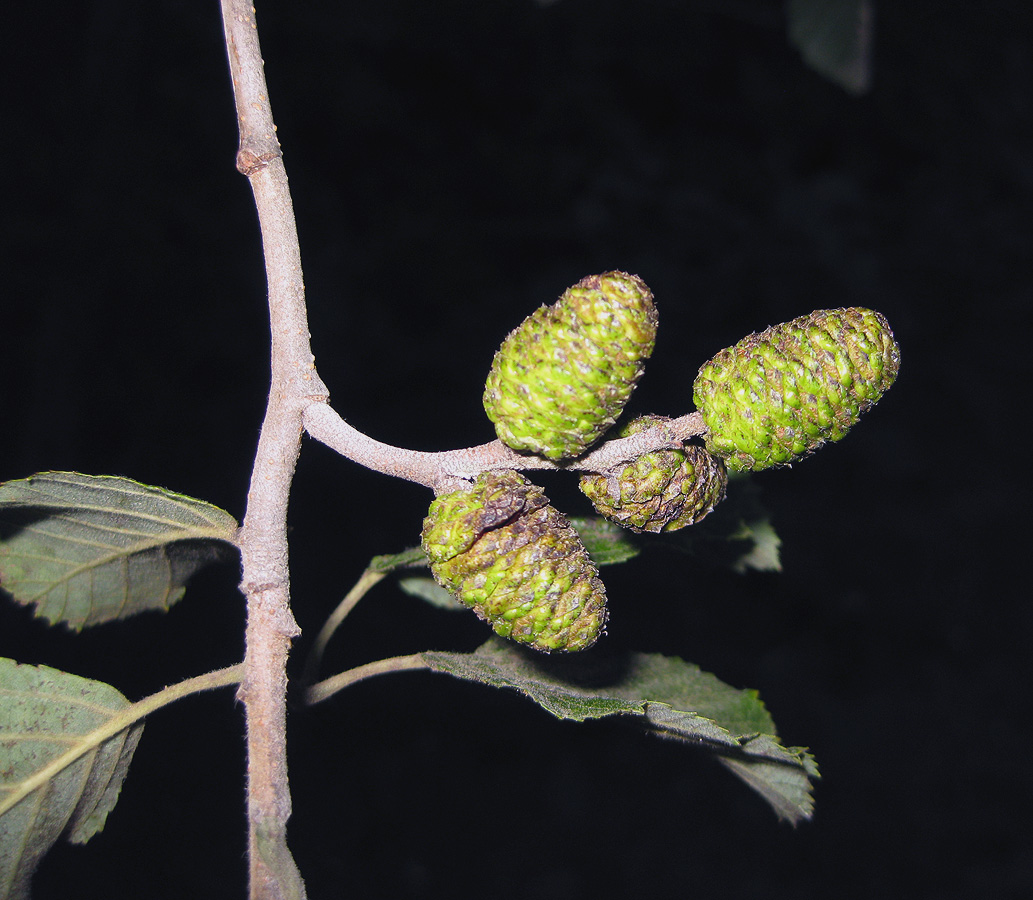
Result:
x=517 y=562
x=562 y=377
x=662 y=490
x=778 y=395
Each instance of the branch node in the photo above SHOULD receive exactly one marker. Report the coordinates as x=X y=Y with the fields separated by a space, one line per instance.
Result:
x=249 y=162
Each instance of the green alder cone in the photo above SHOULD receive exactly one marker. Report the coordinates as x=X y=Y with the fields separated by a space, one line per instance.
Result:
x=562 y=378
x=662 y=490
x=778 y=395
x=517 y=562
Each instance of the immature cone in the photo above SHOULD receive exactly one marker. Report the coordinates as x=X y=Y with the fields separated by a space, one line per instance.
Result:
x=517 y=562
x=563 y=376
x=780 y=394
x=662 y=490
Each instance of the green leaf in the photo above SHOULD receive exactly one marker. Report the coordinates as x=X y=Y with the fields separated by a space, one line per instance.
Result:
x=764 y=544
x=835 y=39
x=412 y=558
x=738 y=534
x=606 y=542
x=675 y=699
x=428 y=589
x=61 y=765
x=87 y=549
x=774 y=772
x=501 y=664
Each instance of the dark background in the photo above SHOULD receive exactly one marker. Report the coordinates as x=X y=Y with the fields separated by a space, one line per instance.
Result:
x=455 y=164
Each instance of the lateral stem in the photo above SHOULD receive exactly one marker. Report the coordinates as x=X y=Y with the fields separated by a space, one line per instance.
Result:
x=367 y=580
x=319 y=692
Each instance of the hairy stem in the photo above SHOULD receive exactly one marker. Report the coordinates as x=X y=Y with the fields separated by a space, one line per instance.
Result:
x=263 y=536
x=362 y=587
x=297 y=401
x=317 y=692
x=438 y=470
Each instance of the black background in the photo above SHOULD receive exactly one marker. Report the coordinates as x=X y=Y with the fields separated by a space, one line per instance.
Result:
x=454 y=164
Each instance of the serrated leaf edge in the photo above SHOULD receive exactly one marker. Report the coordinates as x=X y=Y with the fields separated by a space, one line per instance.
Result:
x=90 y=482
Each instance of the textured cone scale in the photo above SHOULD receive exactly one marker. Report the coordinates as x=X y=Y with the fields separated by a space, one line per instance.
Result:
x=662 y=490
x=780 y=394
x=517 y=562
x=563 y=376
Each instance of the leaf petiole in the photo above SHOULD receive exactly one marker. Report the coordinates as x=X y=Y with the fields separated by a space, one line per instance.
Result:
x=324 y=689
x=378 y=568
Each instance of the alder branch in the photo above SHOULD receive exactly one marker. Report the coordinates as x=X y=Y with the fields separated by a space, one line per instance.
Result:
x=263 y=536
x=297 y=402
x=440 y=470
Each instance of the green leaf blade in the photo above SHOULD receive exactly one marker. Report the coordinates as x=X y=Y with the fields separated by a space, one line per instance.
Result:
x=410 y=558
x=607 y=543
x=834 y=38
x=47 y=717
x=675 y=699
x=500 y=664
x=428 y=590
x=781 y=775
x=685 y=686
x=89 y=549
x=737 y=535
